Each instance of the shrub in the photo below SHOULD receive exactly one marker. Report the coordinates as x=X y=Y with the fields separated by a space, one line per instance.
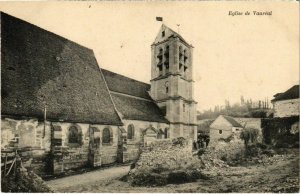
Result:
x=179 y=141
x=249 y=135
x=149 y=179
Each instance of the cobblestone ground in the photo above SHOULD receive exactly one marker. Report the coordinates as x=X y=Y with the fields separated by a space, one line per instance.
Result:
x=280 y=175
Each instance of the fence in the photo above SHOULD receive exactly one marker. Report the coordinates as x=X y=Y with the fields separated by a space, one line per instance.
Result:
x=13 y=158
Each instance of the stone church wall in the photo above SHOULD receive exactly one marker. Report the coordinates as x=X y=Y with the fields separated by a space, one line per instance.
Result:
x=55 y=154
x=133 y=145
x=24 y=134
x=51 y=150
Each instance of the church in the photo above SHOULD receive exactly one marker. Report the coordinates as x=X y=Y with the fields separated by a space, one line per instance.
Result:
x=57 y=100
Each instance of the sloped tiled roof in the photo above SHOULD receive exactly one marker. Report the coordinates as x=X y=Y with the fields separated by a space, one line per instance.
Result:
x=291 y=93
x=132 y=99
x=38 y=66
x=125 y=85
x=137 y=109
x=232 y=121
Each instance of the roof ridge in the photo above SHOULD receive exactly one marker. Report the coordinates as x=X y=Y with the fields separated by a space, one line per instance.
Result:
x=131 y=96
x=125 y=76
x=232 y=121
x=174 y=32
x=291 y=93
x=115 y=108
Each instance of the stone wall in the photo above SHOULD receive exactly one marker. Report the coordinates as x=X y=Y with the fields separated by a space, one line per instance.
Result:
x=27 y=133
x=252 y=123
x=56 y=154
x=133 y=145
x=215 y=134
x=53 y=153
x=249 y=122
x=287 y=108
x=70 y=156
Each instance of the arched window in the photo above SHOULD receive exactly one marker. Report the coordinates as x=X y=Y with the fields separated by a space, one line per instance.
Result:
x=106 y=136
x=160 y=61
x=167 y=59
x=180 y=57
x=130 y=131
x=167 y=87
x=75 y=136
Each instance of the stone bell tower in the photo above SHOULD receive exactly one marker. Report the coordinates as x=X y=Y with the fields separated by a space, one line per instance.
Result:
x=172 y=82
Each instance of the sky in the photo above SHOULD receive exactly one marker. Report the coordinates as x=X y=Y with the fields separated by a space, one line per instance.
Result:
x=254 y=56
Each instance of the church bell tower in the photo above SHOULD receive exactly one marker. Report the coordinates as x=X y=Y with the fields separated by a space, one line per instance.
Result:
x=172 y=82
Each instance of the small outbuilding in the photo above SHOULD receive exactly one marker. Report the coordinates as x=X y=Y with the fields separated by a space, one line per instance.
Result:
x=223 y=127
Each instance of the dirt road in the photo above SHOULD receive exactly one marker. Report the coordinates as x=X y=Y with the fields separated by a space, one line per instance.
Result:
x=280 y=175
x=78 y=183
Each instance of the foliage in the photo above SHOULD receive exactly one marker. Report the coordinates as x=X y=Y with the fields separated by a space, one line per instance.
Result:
x=249 y=135
x=24 y=182
x=203 y=127
x=244 y=109
x=277 y=131
x=258 y=113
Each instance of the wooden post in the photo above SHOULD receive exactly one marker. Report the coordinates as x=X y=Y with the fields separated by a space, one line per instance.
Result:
x=15 y=167
x=5 y=163
x=62 y=159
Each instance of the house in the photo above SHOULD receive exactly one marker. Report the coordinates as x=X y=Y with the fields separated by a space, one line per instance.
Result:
x=56 y=98
x=287 y=104
x=223 y=127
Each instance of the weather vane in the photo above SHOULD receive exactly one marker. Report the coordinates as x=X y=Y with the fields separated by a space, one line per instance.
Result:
x=178 y=25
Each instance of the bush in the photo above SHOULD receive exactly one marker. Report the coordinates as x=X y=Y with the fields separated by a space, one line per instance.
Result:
x=249 y=135
x=179 y=177
x=179 y=141
x=149 y=179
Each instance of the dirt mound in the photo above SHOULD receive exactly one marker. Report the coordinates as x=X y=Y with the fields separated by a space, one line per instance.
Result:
x=171 y=161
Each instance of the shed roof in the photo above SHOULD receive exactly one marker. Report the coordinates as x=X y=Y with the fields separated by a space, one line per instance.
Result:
x=232 y=121
x=132 y=99
x=138 y=109
x=126 y=85
x=229 y=119
x=291 y=93
x=39 y=67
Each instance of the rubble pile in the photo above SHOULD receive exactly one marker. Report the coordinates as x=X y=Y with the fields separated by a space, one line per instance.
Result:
x=171 y=161
x=227 y=151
